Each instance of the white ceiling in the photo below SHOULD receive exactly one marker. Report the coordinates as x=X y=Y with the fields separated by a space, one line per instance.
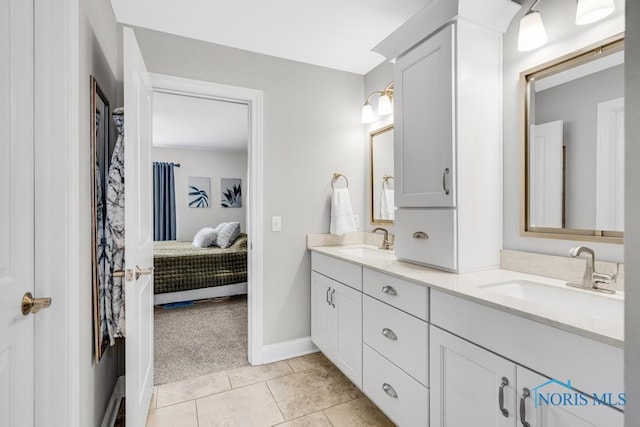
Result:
x=181 y=121
x=331 y=33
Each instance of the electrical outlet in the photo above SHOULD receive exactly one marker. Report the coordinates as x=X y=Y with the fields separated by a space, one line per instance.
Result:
x=276 y=223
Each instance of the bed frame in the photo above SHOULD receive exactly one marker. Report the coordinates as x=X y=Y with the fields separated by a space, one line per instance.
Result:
x=202 y=293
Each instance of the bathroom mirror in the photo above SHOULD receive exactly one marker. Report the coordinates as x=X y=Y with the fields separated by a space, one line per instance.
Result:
x=573 y=133
x=100 y=117
x=382 y=179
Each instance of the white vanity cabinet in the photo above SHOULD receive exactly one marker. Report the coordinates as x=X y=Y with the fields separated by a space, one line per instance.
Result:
x=472 y=386
x=447 y=142
x=336 y=313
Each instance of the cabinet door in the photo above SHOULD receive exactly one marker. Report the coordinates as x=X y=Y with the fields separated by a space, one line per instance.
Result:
x=466 y=384
x=321 y=312
x=347 y=349
x=424 y=119
x=550 y=404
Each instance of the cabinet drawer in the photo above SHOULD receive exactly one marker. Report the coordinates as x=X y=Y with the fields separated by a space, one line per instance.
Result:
x=427 y=236
x=410 y=405
x=399 y=337
x=341 y=271
x=407 y=296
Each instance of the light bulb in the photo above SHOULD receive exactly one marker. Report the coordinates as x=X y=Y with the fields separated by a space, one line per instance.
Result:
x=384 y=105
x=532 y=33
x=367 y=113
x=589 y=11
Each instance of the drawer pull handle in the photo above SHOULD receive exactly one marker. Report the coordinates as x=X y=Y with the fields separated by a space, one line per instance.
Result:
x=420 y=235
x=388 y=333
x=444 y=181
x=389 y=290
x=523 y=416
x=333 y=304
x=503 y=384
x=389 y=390
x=328 y=290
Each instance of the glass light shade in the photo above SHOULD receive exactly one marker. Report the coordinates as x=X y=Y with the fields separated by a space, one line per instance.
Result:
x=384 y=105
x=589 y=11
x=367 y=113
x=532 y=33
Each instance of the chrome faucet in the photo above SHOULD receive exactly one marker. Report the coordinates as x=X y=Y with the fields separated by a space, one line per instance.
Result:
x=386 y=243
x=591 y=279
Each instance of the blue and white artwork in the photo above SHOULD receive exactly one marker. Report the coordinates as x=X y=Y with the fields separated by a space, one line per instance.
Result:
x=199 y=191
x=231 y=190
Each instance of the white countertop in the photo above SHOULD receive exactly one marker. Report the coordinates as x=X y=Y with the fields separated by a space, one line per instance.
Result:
x=469 y=286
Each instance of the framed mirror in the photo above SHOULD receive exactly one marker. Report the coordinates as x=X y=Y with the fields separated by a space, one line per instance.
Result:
x=573 y=144
x=382 y=179
x=99 y=163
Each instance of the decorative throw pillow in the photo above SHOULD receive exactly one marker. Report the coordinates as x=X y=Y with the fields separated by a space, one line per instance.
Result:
x=228 y=234
x=205 y=237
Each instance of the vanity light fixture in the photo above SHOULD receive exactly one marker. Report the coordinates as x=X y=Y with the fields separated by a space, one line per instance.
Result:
x=385 y=105
x=532 y=33
x=589 y=11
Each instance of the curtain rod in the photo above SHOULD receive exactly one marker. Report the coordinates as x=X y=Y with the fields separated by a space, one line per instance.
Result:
x=174 y=164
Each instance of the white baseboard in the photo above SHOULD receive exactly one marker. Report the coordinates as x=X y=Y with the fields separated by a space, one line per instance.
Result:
x=288 y=349
x=111 y=413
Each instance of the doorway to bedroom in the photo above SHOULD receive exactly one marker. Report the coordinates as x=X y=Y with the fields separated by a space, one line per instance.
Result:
x=200 y=172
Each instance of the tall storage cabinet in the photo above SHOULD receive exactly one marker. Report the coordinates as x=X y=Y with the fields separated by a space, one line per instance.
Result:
x=448 y=134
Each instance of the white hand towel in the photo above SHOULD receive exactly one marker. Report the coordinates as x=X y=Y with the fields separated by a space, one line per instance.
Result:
x=341 y=212
x=387 y=204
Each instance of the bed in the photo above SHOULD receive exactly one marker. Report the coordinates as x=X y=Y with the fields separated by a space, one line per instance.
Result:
x=183 y=272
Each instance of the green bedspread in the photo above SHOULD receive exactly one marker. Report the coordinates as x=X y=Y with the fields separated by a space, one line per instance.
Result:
x=178 y=266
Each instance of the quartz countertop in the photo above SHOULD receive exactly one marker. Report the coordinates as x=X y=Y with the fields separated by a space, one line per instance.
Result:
x=470 y=286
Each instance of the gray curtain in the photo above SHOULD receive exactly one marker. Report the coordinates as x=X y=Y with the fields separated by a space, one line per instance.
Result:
x=164 y=201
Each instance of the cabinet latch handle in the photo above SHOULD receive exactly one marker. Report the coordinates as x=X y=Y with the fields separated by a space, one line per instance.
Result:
x=505 y=382
x=523 y=416
x=333 y=304
x=389 y=290
x=444 y=181
x=328 y=290
x=420 y=235
x=388 y=333
x=389 y=390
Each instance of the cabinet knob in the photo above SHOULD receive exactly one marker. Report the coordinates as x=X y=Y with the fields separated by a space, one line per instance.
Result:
x=420 y=235
x=389 y=290
x=388 y=333
x=389 y=390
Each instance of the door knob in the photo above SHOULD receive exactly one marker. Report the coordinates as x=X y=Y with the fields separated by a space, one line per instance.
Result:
x=33 y=305
x=143 y=272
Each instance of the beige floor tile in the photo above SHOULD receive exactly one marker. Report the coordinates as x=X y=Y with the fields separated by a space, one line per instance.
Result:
x=246 y=375
x=247 y=406
x=317 y=419
x=305 y=392
x=180 y=415
x=359 y=412
x=309 y=361
x=345 y=382
x=193 y=388
x=154 y=399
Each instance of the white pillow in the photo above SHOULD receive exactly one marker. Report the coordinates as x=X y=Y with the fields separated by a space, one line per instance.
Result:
x=205 y=237
x=228 y=234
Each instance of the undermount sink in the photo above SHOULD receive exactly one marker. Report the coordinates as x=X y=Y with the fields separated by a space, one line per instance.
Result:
x=364 y=251
x=577 y=301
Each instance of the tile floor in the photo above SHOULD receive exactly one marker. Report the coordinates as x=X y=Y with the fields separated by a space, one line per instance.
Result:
x=305 y=391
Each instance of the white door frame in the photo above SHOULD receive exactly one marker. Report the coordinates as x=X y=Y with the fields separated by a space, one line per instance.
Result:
x=59 y=356
x=253 y=98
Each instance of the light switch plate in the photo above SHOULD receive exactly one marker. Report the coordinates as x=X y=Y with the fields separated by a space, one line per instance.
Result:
x=276 y=223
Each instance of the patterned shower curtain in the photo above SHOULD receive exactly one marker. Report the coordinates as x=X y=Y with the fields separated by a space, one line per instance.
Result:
x=114 y=236
x=164 y=201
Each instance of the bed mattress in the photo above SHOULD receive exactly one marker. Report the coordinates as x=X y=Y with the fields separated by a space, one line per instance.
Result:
x=178 y=266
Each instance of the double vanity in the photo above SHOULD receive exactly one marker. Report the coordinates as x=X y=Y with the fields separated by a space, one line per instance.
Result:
x=490 y=348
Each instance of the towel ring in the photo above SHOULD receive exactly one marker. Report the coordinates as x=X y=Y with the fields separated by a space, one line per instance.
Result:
x=385 y=180
x=336 y=177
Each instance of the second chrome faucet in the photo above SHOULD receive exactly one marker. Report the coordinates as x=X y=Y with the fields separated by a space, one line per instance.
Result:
x=591 y=279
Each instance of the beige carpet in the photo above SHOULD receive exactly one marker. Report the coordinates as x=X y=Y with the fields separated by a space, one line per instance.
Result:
x=199 y=340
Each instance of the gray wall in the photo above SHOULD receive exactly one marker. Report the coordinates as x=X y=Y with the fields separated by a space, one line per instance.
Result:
x=576 y=104
x=311 y=130
x=208 y=163
x=564 y=37
x=376 y=79
x=98 y=57
x=632 y=218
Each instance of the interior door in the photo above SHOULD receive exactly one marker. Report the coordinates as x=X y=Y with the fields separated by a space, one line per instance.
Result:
x=138 y=233
x=16 y=213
